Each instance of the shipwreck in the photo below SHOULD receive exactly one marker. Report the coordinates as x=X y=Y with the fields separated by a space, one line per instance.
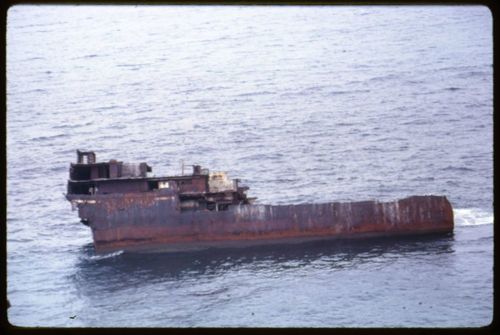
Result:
x=127 y=209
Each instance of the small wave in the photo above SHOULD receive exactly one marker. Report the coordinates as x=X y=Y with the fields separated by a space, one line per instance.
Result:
x=72 y=126
x=251 y=94
x=33 y=59
x=132 y=66
x=416 y=122
x=19 y=240
x=187 y=91
x=345 y=124
x=348 y=92
x=467 y=75
x=105 y=108
x=136 y=83
x=106 y=256
x=313 y=89
x=457 y=168
x=472 y=217
x=209 y=292
x=65 y=126
x=36 y=90
x=45 y=138
x=387 y=77
x=423 y=178
x=88 y=56
x=217 y=88
x=59 y=168
x=457 y=68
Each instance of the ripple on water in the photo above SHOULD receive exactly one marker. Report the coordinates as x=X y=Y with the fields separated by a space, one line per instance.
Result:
x=288 y=110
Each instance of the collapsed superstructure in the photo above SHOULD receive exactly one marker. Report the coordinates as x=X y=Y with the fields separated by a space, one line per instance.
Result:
x=128 y=209
x=200 y=190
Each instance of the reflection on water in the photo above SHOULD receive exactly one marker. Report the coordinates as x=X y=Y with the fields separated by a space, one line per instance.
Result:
x=121 y=270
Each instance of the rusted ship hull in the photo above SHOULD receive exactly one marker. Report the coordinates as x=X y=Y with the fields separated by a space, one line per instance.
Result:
x=154 y=221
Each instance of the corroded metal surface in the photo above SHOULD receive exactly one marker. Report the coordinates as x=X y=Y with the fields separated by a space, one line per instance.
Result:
x=126 y=209
x=129 y=221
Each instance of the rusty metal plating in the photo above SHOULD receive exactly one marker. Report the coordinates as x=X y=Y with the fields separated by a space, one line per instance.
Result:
x=126 y=209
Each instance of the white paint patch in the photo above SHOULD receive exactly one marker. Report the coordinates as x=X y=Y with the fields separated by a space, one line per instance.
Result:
x=220 y=182
x=255 y=211
x=76 y=202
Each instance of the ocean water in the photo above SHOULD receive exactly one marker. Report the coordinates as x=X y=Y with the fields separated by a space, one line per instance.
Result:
x=303 y=104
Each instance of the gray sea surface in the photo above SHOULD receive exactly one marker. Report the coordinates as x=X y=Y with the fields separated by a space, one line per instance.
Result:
x=303 y=104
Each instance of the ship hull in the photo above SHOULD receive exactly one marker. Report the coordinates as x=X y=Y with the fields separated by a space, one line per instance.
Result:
x=153 y=221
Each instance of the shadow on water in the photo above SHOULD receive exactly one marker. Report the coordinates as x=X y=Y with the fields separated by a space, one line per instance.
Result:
x=122 y=270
